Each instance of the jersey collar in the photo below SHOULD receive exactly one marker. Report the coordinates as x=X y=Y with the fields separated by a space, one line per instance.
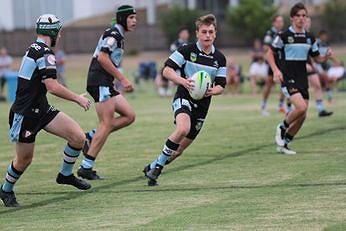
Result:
x=40 y=40
x=274 y=30
x=119 y=29
x=292 y=30
x=199 y=47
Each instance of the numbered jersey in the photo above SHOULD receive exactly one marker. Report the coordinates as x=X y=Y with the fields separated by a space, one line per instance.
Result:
x=112 y=43
x=37 y=65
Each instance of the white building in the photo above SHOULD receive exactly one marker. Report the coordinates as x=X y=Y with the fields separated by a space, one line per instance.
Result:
x=19 y=14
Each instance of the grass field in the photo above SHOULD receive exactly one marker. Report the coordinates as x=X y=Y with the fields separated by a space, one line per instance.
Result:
x=231 y=178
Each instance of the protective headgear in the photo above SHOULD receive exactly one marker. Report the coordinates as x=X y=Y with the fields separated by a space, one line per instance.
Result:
x=122 y=13
x=50 y=25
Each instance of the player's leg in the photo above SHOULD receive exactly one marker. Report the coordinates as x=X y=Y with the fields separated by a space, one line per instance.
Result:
x=299 y=110
x=23 y=158
x=186 y=142
x=315 y=83
x=268 y=83
x=293 y=121
x=153 y=170
x=65 y=127
x=107 y=124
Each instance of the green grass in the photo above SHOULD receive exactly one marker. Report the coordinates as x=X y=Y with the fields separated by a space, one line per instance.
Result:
x=231 y=178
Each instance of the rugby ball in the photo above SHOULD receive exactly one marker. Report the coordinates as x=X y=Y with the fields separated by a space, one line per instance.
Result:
x=202 y=83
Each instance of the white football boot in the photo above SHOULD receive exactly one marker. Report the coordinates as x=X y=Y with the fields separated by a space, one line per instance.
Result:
x=279 y=139
x=285 y=150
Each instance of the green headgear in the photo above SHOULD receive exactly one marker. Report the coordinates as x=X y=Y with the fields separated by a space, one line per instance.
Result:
x=122 y=13
x=50 y=25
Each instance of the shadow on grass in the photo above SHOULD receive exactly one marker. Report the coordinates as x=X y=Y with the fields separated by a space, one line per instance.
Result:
x=72 y=195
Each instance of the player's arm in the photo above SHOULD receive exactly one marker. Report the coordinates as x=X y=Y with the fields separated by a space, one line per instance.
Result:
x=107 y=64
x=59 y=90
x=220 y=79
x=269 y=56
x=171 y=74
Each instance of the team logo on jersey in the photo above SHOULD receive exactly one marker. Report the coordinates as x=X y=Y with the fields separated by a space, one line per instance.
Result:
x=51 y=59
x=110 y=41
x=216 y=64
x=199 y=125
x=290 y=39
x=193 y=57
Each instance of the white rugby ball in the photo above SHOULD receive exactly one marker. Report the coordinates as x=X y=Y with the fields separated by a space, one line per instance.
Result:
x=202 y=83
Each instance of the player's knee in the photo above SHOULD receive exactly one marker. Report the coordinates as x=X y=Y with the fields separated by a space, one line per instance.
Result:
x=131 y=117
x=182 y=131
x=77 y=140
x=301 y=109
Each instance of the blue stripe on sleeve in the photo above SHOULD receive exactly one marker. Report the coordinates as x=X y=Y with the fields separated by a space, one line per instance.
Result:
x=27 y=68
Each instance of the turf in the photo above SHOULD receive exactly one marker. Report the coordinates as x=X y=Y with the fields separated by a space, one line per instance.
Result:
x=231 y=178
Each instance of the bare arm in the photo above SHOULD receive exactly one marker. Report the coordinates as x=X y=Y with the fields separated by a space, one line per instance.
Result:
x=59 y=90
x=322 y=59
x=170 y=74
x=271 y=60
x=108 y=65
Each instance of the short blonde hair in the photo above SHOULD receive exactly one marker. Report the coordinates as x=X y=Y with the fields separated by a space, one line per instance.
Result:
x=208 y=19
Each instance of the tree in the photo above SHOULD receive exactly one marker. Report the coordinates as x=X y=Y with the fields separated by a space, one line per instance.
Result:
x=334 y=18
x=176 y=18
x=251 y=18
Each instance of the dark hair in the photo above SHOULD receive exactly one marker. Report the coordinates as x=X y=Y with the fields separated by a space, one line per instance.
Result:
x=182 y=28
x=322 y=32
x=275 y=17
x=122 y=13
x=297 y=7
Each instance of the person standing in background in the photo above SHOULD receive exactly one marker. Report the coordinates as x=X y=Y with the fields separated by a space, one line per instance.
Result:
x=5 y=66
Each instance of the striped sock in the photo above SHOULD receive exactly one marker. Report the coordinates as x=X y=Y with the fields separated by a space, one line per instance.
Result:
x=168 y=150
x=70 y=156
x=88 y=161
x=92 y=132
x=319 y=105
x=12 y=176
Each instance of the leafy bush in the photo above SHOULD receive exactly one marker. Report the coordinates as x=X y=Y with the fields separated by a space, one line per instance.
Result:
x=251 y=19
x=175 y=18
x=334 y=18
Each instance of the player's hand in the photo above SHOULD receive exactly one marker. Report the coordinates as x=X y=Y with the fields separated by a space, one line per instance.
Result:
x=278 y=78
x=216 y=90
x=189 y=84
x=127 y=85
x=329 y=53
x=84 y=102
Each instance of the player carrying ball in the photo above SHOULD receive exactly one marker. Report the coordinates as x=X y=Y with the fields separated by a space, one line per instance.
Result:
x=190 y=114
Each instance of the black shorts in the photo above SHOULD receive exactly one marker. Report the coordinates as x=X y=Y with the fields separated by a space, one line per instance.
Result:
x=270 y=72
x=197 y=115
x=24 y=129
x=102 y=93
x=288 y=91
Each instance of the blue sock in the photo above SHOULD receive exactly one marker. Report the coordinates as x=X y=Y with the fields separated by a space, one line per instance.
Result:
x=70 y=156
x=330 y=94
x=92 y=132
x=319 y=105
x=88 y=161
x=281 y=104
x=168 y=150
x=264 y=104
x=12 y=176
